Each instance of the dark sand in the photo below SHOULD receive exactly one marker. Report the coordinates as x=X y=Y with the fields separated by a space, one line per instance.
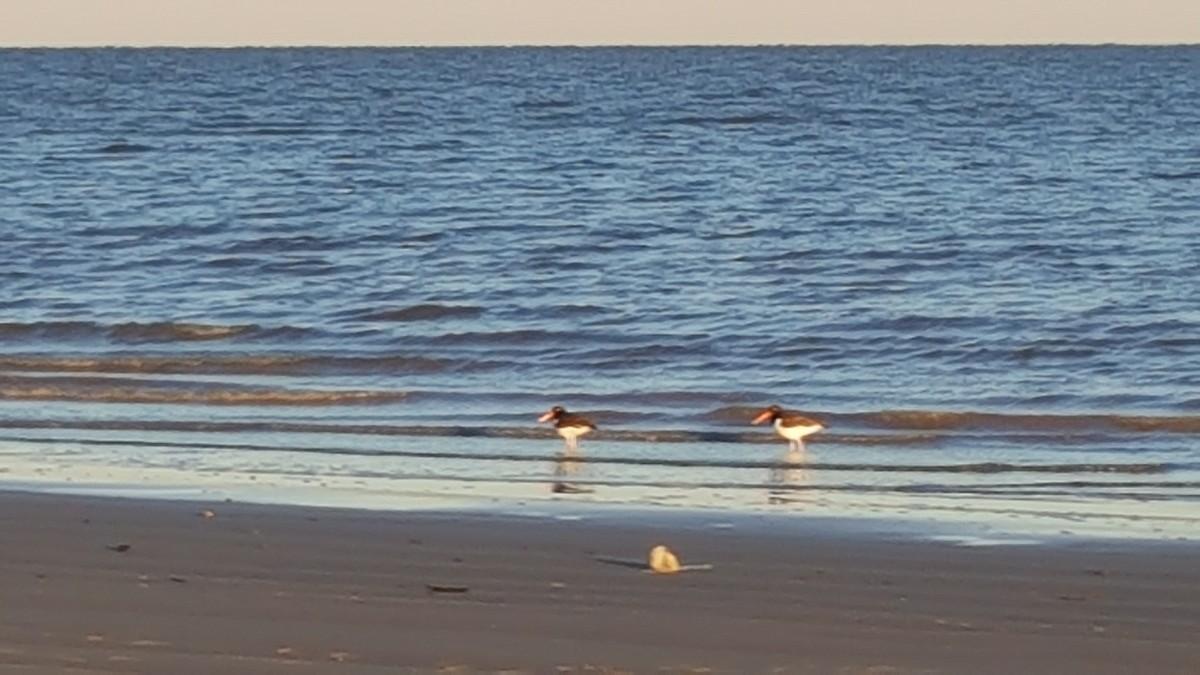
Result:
x=261 y=589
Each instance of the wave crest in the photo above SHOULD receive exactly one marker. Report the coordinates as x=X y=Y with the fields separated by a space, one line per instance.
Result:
x=104 y=390
x=1065 y=423
x=130 y=332
x=265 y=364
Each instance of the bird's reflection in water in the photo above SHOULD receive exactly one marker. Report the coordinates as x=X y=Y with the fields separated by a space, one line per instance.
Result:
x=790 y=472
x=566 y=464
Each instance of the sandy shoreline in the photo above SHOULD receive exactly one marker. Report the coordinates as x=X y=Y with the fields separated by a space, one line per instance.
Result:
x=284 y=588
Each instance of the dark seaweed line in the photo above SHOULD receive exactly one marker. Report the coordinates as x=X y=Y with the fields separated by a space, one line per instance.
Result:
x=976 y=468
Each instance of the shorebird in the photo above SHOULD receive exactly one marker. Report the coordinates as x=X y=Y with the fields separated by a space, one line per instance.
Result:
x=568 y=425
x=792 y=426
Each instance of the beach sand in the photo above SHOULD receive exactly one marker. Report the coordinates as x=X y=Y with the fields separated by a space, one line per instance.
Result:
x=91 y=584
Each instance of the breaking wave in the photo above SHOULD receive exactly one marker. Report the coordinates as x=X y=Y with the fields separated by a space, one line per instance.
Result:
x=938 y=421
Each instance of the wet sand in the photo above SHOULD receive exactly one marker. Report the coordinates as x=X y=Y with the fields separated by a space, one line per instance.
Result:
x=119 y=585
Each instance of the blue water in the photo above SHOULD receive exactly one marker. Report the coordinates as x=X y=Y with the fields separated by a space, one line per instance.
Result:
x=980 y=266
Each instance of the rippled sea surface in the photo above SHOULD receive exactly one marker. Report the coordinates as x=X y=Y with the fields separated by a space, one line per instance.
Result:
x=366 y=272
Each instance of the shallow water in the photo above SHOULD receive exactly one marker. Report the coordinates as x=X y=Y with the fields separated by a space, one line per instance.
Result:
x=980 y=266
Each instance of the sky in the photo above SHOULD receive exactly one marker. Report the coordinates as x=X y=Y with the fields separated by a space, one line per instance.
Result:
x=228 y=23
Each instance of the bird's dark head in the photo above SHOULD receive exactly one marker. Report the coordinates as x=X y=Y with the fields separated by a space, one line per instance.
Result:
x=769 y=414
x=554 y=413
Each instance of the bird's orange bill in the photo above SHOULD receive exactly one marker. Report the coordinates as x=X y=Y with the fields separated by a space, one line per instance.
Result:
x=546 y=417
x=763 y=417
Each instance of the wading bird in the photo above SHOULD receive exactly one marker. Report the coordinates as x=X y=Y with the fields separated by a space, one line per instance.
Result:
x=792 y=426
x=568 y=425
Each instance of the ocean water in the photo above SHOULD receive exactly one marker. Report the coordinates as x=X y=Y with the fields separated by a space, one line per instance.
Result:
x=358 y=276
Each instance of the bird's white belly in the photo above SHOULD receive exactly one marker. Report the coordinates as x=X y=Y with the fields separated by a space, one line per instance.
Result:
x=797 y=433
x=571 y=433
